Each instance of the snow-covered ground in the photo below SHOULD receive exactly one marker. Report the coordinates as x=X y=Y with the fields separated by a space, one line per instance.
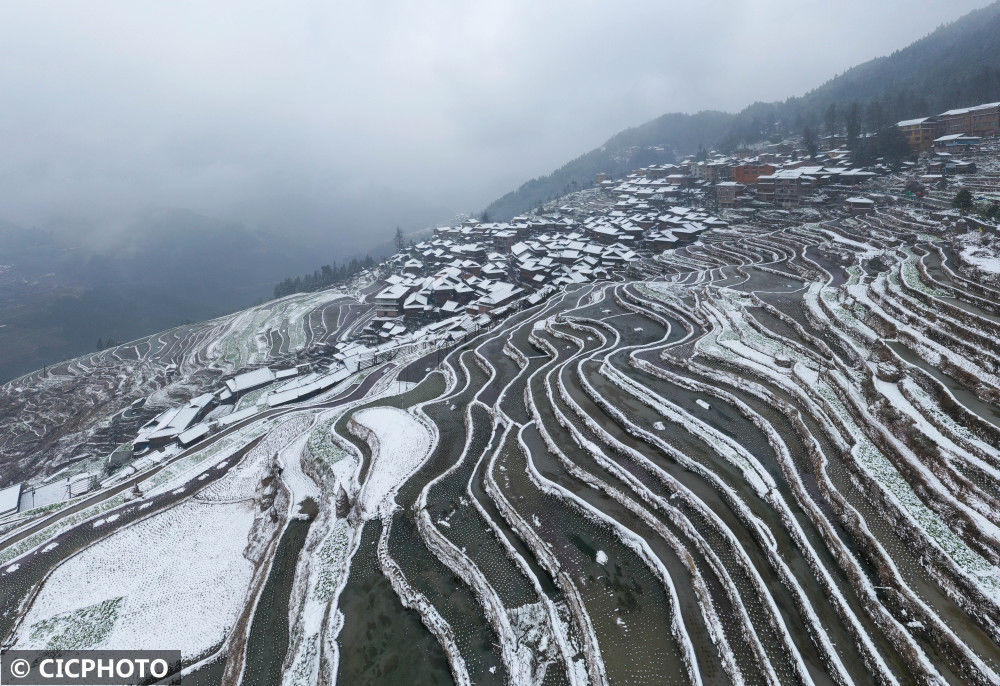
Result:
x=290 y=460
x=175 y=580
x=981 y=252
x=403 y=443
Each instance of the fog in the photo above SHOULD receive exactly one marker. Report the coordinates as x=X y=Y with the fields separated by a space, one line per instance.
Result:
x=334 y=117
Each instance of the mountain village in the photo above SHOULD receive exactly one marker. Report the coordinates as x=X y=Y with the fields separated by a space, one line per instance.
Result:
x=468 y=276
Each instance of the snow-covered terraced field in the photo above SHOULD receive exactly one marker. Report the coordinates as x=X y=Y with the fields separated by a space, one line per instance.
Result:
x=767 y=457
x=69 y=417
x=176 y=579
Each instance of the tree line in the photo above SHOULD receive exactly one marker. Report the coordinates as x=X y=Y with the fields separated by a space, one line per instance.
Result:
x=870 y=132
x=325 y=276
x=956 y=66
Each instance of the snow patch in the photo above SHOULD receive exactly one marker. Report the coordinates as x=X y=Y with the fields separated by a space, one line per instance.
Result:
x=175 y=580
x=400 y=444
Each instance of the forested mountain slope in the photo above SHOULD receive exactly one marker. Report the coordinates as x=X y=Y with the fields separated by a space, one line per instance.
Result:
x=956 y=65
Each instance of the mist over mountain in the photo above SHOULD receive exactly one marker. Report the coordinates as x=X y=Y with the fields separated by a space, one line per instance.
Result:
x=63 y=289
x=956 y=65
x=163 y=164
x=60 y=292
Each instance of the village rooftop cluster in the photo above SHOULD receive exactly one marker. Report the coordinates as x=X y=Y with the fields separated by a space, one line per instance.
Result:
x=470 y=275
x=477 y=271
x=484 y=269
x=784 y=175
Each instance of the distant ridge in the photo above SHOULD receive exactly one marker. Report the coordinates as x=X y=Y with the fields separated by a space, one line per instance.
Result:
x=956 y=65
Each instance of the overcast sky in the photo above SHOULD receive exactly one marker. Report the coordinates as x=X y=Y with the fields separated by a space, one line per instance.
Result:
x=110 y=106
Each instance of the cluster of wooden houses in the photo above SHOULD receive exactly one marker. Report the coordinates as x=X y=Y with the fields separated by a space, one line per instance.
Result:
x=482 y=268
x=959 y=128
x=187 y=424
x=784 y=177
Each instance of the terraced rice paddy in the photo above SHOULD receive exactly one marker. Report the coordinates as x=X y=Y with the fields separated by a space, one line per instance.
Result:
x=769 y=457
x=70 y=416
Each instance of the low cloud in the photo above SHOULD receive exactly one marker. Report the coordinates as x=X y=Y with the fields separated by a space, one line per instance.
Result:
x=240 y=110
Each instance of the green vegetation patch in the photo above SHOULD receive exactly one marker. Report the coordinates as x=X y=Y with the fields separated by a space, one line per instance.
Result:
x=80 y=628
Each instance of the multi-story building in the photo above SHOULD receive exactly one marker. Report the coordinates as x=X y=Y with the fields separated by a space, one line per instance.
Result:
x=955 y=140
x=765 y=187
x=721 y=171
x=389 y=301
x=955 y=121
x=979 y=120
x=859 y=205
x=788 y=185
x=749 y=172
x=920 y=133
x=713 y=171
x=985 y=120
x=726 y=192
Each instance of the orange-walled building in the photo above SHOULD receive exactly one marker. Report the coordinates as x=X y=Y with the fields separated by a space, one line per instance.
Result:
x=920 y=133
x=747 y=174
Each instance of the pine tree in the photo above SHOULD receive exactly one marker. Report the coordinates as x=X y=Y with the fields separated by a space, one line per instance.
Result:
x=809 y=141
x=962 y=200
x=852 y=123
x=831 y=120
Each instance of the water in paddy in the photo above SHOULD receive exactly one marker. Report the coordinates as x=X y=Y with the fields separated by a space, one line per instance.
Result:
x=904 y=557
x=731 y=422
x=970 y=308
x=676 y=568
x=506 y=368
x=772 y=283
x=779 y=326
x=550 y=467
x=381 y=641
x=449 y=417
x=728 y=420
x=545 y=580
x=631 y=327
x=977 y=303
x=210 y=674
x=626 y=603
x=791 y=304
x=512 y=403
x=973 y=305
x=984 y=410
x=268 y=639
x=729 y=276
x=415 y=371
x=787 y=303
x=678 y=330
x=830 y=261
x=707 y=492
x=474 y=637
x=459 y=521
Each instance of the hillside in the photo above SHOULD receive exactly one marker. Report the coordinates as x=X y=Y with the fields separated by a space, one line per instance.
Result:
x=659 y=140
x=767 y=455
x=956 y=65
x=58 y=295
